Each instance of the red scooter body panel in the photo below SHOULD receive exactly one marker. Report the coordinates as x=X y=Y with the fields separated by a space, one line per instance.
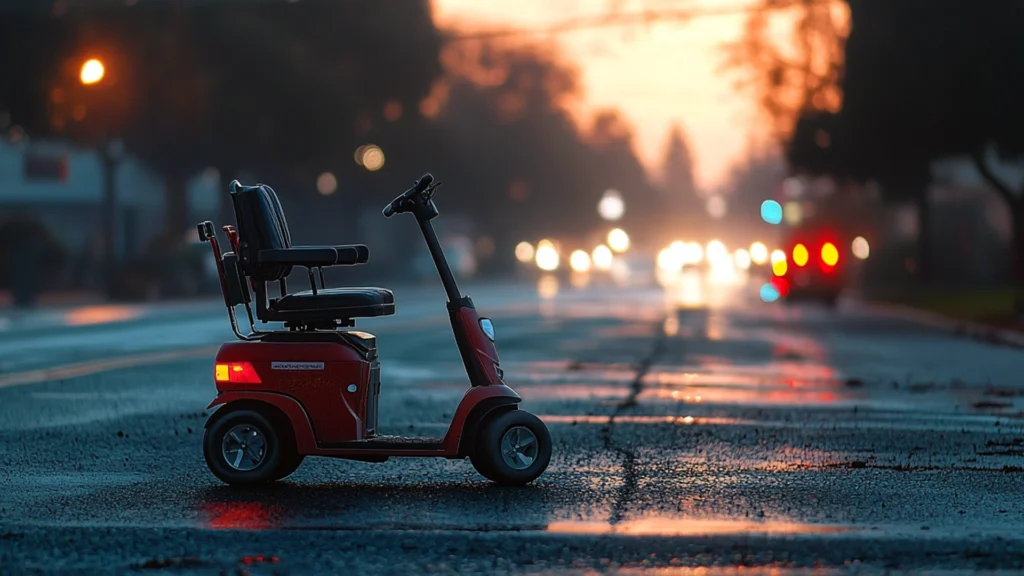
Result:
x=483 y=352
x=306 y=440
x=318 y=375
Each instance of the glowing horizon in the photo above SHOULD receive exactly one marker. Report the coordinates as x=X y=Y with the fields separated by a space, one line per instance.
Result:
x=655 y=75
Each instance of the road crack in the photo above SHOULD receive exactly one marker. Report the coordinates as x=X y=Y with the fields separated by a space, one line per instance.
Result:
x=629 y=482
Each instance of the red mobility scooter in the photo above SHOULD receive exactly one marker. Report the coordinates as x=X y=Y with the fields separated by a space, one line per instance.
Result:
x=312 y=388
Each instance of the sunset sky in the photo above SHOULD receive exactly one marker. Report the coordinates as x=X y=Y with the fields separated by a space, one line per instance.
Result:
x=669 y=72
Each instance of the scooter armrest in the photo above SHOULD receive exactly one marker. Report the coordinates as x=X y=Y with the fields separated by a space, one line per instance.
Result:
x=349 y=254
x=315 y=256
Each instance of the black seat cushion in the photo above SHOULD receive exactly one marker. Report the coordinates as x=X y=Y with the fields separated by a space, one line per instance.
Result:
x=340 y=302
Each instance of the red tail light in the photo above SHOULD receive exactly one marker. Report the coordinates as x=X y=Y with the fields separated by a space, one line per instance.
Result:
x=829 y=254
x=236 y=373
x=781 y=285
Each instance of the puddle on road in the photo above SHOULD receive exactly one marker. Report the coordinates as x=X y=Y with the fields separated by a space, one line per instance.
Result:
x=897 y=421
x=632 y=419
x=772 y=396
x=571 y=392
x=691 y=527
x=242 y=516
x=740 y=378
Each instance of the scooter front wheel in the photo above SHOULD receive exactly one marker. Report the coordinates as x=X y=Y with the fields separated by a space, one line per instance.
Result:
x=514 y=448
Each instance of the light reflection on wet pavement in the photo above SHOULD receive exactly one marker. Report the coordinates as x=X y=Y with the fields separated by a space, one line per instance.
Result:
x=719 y=435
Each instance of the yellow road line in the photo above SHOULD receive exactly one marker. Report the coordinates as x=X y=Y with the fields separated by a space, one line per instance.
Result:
x=104 y=365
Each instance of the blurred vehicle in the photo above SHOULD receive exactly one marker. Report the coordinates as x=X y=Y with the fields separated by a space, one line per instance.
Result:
x=635 y=269
x=813 y=268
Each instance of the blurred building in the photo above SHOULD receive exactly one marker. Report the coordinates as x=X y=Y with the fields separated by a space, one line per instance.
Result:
x=63 y=189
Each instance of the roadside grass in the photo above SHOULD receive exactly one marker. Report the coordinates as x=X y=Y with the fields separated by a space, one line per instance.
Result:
x=989 y=305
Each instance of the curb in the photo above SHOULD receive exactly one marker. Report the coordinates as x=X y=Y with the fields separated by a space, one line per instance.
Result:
x=961 y=328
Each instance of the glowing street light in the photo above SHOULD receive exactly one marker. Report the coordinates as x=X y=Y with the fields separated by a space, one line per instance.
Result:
x=92 y=72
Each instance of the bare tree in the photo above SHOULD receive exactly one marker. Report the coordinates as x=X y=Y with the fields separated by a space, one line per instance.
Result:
x=799 y=75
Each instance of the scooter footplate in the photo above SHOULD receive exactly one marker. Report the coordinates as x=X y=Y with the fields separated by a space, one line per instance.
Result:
x=391 y=443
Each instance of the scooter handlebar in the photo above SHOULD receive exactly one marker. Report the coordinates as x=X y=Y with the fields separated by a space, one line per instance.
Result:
x=396 y=205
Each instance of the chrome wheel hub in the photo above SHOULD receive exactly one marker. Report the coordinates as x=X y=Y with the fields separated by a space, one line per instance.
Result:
x=519 y=447
x=244 y=447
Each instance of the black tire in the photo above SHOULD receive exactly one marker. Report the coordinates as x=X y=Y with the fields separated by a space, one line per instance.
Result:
x=488 y=458
x=265 y=465
x=288 y=466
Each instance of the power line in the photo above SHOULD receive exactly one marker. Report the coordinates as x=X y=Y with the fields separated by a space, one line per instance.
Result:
x=615 y=19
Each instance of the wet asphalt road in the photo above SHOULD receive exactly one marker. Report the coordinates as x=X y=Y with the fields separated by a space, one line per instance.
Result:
x=698 y=428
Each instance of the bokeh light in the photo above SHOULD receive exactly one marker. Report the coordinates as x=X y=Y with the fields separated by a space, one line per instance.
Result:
x=611 y=206
x=771 y=212
x=779 y=267
x=778 y=255
x=524 y=252
x=769 y=293
x=546 y=256
x=742 y=259
x=670 y=260
x=618 y=240
x=602 y=257
x=758 y=253
x=92 y=72
x=372 y=157
x=860 y=248
x=794 y=213
x=716 y=253
x=693 y=253
x=579 y=261
x=800 y=255
x=829 y=254
x=326 y=184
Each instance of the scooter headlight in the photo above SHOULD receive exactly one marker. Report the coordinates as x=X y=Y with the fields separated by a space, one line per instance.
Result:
x=488 y=328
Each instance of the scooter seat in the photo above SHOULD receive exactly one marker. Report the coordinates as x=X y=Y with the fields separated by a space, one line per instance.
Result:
x=338 y=303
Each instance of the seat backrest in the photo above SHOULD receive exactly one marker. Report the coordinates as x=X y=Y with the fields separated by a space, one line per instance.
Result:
x=261 y=226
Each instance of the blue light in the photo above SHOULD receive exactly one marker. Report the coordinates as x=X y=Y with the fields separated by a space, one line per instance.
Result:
x=769 y=293
x=771 y=211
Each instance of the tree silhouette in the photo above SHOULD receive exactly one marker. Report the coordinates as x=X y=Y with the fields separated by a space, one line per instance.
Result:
x=522 y=164
x=923 y=80
x=684 y=206
x=788 y=81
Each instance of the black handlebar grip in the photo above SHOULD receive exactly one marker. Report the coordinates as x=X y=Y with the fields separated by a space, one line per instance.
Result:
x=389 y=210
x=424 y=181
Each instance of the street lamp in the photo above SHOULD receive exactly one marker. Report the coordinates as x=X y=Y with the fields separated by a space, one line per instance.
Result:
x=92 y=72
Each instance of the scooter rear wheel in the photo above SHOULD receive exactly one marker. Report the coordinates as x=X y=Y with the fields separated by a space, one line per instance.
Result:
x=242 y=446
x=514 y=448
